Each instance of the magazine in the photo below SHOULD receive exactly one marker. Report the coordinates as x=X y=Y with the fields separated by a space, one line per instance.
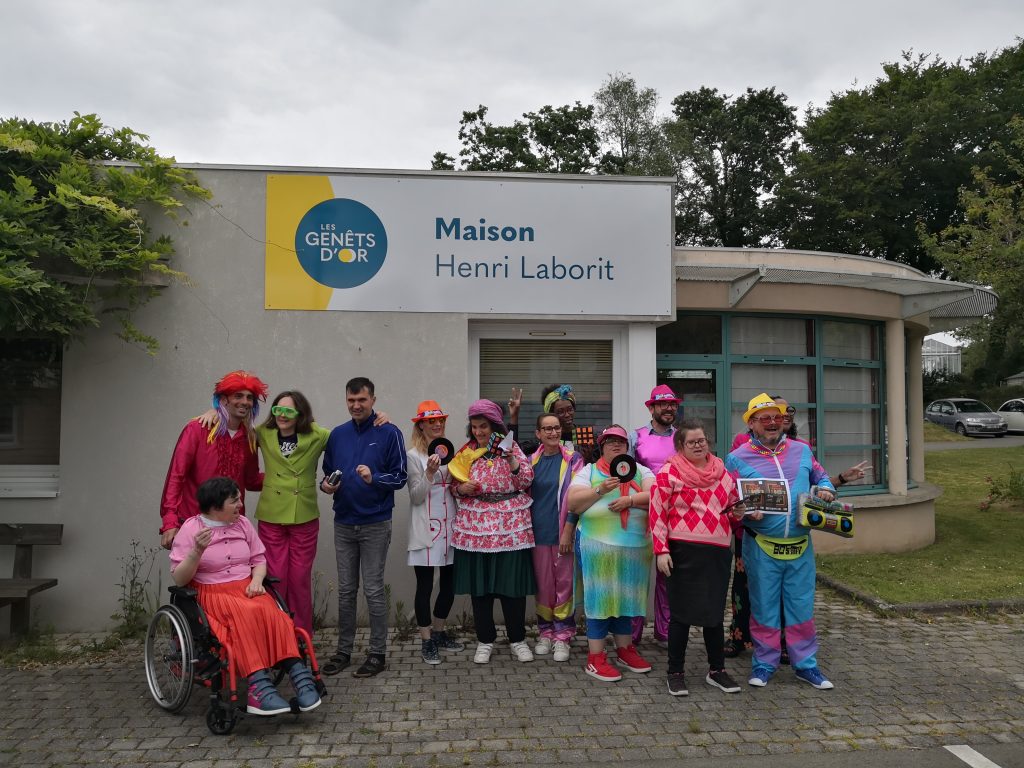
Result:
x=763 y=494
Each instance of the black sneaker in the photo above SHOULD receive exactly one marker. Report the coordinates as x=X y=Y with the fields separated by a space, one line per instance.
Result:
x=374 y=665
x=677 y=684
x=446 y=643
x=428 y=650
x=720 y=679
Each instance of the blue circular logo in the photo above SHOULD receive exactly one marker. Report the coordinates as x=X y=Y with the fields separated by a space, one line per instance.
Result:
x=341 y=243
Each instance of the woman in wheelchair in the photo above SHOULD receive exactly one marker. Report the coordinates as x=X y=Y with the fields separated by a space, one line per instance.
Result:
x=219 y=555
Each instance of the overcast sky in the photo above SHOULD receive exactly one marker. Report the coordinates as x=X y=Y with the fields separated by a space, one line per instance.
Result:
x=383 y=84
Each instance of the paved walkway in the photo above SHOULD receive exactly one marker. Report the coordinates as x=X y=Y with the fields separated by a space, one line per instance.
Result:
x=901 y=685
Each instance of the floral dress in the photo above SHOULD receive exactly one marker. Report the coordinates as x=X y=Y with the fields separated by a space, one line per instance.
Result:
x=493 y=531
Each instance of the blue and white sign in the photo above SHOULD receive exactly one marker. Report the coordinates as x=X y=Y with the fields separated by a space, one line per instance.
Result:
x=341 y=243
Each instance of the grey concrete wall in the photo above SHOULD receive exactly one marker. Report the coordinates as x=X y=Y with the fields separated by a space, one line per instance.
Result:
x=122 y=409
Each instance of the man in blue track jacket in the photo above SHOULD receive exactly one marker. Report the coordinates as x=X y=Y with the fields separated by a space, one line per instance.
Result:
x=777 y=550
x=372 y=464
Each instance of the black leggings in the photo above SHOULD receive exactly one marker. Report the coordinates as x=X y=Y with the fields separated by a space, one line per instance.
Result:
x=424 y=587
x=514 y=610
x=679 y=634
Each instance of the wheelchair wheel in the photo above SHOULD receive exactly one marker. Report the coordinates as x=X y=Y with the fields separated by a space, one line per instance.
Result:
x=221 y=718
x=169 y=655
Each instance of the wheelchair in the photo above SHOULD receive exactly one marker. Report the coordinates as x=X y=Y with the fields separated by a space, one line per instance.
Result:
x=181 y=652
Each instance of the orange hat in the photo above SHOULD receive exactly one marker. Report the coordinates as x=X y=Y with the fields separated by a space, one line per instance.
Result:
x=429 y=409
x=236 y=381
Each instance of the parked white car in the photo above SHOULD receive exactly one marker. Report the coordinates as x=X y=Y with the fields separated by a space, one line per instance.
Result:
x=1013 y=412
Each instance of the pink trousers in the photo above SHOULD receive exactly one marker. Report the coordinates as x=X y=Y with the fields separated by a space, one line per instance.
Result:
x=556 y=615
x=661 y=612
x=291 y=550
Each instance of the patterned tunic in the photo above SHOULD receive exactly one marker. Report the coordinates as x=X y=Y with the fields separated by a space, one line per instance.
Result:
x=498 y=518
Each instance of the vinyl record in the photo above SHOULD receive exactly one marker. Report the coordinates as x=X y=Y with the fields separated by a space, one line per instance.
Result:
x=443 y=448
x=623 y=467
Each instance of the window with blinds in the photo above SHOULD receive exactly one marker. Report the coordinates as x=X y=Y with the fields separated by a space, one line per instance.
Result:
x=533 y=364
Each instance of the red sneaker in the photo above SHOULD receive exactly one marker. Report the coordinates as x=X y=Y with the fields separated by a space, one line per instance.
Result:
x=631 y=660
x=598 y=667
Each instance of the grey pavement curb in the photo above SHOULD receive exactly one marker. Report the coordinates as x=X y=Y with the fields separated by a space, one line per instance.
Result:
x=905 y=609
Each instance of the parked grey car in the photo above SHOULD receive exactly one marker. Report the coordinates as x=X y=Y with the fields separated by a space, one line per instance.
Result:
x=966 y=416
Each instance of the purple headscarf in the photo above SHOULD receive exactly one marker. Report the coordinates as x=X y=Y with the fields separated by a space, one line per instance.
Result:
x=490 y=411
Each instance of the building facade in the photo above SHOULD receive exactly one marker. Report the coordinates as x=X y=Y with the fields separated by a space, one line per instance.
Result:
x=939 y=357
x=484 y=282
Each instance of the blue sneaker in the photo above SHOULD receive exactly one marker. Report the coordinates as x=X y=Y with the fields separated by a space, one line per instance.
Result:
x=813 y=676
x=263 y=696
x=759 y=676
x=306 y=693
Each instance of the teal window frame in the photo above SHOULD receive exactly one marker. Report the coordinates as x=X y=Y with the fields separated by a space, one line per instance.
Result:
x=726 y=405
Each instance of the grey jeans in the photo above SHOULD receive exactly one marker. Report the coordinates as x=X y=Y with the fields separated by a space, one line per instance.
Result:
x=362 y=549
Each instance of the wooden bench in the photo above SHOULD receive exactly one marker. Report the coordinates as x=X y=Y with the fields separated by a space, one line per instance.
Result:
x=17 y=591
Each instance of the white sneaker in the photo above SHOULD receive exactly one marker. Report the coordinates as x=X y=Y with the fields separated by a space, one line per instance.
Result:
x=561 y=651
x=483 y=653
x=522 y=651
x=543 y=646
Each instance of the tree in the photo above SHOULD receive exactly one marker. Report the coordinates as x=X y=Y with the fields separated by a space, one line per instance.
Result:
x=630 y=129
x=731 y=155
x=550 y=140
x=987 y=247
x=73 y=244
x=880 y=167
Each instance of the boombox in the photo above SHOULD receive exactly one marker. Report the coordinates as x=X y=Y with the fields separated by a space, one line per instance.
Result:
x=828 y=516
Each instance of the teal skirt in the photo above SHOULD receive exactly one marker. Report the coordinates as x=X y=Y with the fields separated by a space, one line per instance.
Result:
x=495 y=573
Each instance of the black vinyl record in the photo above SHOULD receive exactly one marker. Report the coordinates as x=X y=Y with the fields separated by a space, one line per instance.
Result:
x=623 y=467
x=443 y=448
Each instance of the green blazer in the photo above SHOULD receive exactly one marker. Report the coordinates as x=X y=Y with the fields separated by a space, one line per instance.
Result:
x=289 y=495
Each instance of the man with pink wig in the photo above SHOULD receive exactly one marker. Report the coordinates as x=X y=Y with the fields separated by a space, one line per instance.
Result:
x=227 y=449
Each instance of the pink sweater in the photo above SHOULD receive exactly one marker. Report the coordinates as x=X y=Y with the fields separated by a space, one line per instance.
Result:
x=690 y=514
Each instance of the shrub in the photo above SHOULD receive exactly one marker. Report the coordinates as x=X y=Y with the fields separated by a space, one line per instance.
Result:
x=1008 y=489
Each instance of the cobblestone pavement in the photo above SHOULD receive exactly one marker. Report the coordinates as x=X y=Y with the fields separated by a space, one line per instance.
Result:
x=901 y=684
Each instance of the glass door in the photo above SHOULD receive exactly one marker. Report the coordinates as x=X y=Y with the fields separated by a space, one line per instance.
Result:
x=700 y=387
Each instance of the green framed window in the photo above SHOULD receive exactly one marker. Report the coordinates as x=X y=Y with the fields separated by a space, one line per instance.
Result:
x=831 y=370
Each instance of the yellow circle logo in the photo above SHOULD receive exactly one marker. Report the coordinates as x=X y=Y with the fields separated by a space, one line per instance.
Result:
x=346 y=255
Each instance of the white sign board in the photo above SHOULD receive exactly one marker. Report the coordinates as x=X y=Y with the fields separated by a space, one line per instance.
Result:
x=442 y=243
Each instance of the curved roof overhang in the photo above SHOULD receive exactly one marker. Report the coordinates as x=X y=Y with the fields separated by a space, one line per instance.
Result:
x=946 y=303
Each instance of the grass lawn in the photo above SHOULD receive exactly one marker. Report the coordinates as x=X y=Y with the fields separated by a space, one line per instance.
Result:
x=933 y=433
x=974 y=556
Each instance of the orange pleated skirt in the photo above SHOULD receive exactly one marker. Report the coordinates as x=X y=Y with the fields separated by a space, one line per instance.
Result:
x=259 y=633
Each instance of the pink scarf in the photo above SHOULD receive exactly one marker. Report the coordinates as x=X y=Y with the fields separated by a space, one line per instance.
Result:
x=692 y=476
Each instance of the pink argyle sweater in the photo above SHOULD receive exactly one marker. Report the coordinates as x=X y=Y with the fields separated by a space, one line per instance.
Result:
x=690 y=514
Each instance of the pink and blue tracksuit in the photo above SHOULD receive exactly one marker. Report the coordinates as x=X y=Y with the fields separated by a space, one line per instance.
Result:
x=770 y=578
